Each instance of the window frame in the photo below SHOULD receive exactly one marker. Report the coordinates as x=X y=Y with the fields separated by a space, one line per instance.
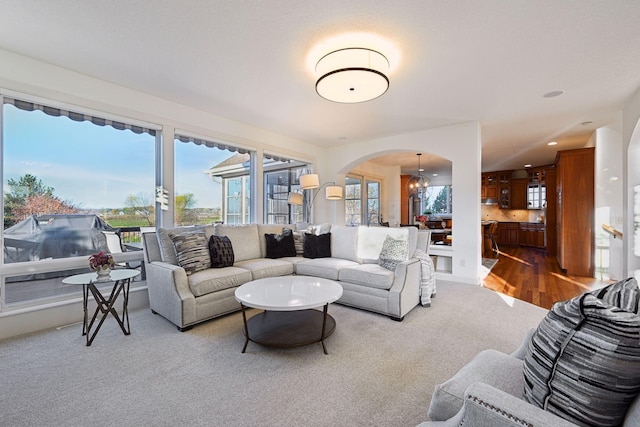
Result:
x=34 y=267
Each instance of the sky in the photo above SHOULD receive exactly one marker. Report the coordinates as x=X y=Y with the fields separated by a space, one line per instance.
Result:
x=96 y=167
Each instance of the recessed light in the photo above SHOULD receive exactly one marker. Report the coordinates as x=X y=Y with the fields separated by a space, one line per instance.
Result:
x=552 y=143
x=553 y=94
x=435 y=174
x=527 y=165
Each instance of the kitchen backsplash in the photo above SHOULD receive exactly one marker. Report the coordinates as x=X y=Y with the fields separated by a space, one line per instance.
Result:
x=494 y=213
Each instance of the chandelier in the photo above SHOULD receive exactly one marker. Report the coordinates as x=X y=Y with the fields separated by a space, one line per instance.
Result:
x=420 y=183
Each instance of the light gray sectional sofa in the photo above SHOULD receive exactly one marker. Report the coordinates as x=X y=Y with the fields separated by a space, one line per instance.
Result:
x=186 y=300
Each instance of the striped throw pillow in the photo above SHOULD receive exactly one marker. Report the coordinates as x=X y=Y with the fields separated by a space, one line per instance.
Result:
x=192 y=251
x=583 y=361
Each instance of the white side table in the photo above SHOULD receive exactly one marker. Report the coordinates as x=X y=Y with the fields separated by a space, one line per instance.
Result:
x=121 y=280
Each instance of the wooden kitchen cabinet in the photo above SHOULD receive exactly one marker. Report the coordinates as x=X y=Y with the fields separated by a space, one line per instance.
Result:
x=531 y=234
x=489 y=188
x=508 y=233
x=504 y=189
x=575 y=211
x=519 y=193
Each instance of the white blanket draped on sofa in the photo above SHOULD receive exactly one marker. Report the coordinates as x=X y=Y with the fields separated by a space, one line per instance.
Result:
x=427 y=278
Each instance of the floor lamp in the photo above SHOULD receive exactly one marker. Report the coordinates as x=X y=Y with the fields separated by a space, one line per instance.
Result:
x=310 y=182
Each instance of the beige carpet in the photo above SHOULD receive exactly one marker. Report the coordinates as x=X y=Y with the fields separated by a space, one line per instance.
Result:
x=378 y=372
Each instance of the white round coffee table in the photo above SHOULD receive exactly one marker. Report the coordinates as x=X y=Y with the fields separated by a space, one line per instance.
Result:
x=289 y=318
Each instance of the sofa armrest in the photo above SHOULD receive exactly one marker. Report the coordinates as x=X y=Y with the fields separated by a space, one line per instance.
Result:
x=169 y=293
x=521 y=351
x=404 y=293
x=486 y=406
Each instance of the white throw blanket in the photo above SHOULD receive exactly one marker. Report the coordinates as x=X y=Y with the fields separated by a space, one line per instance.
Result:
x=427 y=278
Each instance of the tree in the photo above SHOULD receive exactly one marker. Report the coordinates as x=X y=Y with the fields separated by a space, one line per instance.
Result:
x=185 y=214
x=140 y=205
x=29 y=196
x=440 y=203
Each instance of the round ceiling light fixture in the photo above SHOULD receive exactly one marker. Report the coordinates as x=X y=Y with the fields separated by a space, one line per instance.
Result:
x=352 y=75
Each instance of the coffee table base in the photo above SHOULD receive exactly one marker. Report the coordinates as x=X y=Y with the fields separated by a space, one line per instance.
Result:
x=288 y=328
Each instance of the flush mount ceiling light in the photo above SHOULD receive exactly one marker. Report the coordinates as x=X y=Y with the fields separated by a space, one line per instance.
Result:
x=352 y=75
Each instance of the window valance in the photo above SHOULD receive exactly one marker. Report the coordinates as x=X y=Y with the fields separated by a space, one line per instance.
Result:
x=78 y=117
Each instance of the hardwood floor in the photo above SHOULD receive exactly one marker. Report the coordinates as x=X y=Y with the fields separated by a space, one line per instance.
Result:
x=530 y=275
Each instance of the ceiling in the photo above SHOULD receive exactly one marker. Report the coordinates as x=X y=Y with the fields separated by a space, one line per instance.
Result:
x=451 y=62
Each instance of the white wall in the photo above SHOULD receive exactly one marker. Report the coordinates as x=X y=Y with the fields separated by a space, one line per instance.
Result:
x=631 y=156
x=609 y=191
x=461 y=144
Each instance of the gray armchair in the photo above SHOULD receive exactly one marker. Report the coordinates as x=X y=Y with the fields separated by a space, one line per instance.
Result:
x=489 y=392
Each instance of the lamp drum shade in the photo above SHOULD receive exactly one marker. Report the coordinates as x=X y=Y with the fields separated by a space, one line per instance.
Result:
x=296 y=199
x=333 y=192
x=309 y=181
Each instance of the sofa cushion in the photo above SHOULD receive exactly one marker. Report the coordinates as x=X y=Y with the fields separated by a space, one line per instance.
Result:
x=490 y=367
x=265 y=267
x=221 y=251
x=319 y=229
x=217 y=279
x=371 y=239
x=317 y=246
x=393 y=252
x=191 y=249
x=167 y=250
x=371 y=275
x=323 y=267
x=244 y=239
x=344 y=242
x=280 y=245
x=583 y=361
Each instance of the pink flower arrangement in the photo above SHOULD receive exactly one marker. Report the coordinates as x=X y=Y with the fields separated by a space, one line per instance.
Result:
x=101 y=261
x=421 y=218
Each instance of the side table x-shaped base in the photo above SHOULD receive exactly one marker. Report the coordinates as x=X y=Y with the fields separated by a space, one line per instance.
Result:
x=121 y=279
x=106 y=306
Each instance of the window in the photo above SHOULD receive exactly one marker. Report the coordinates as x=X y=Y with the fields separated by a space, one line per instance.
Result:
x=362 y=208
x=236 y=209
x=353 y=201
x=212 y=182
x=67 y=177
x=373 y=202
x=437 y=199
x=281 y=177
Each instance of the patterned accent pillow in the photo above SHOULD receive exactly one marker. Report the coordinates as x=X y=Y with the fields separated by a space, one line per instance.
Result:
x=394 y=251
x=317 y=246
x=191 y=250
x=298 y=242
x=280 y=245
x=583 y=361
x=221 y=252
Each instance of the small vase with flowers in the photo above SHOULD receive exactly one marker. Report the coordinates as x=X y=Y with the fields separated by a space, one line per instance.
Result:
x=102 y=263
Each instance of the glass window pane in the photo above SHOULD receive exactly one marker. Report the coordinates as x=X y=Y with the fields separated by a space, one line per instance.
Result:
x=211 y=185
x=281 y=177
x=65 y=182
